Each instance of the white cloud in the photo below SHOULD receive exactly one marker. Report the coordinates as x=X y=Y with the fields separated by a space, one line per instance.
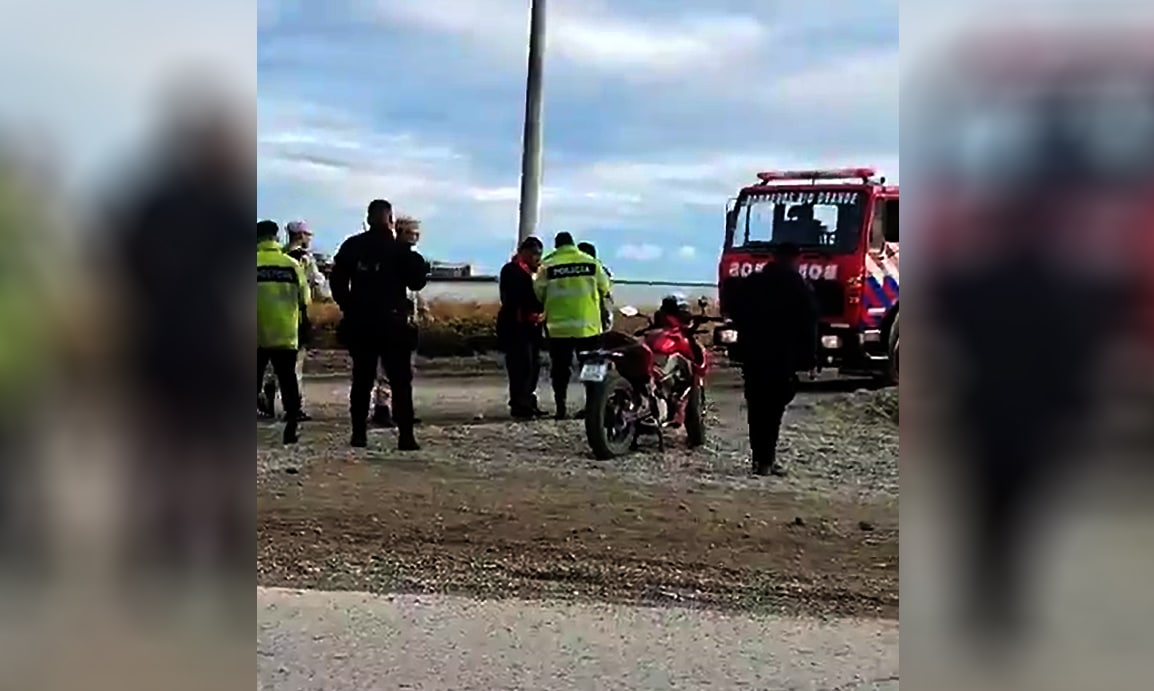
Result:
x=687 y=252
x=858 y=82
x=640 y=253
x=586 y=33
x=326 y=153
x=95 y=89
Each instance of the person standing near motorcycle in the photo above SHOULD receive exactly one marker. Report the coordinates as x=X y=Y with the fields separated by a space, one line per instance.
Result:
x=572 y=286
x=372 y=272
x=282 y=300
x=519 y=331
x=776 y=317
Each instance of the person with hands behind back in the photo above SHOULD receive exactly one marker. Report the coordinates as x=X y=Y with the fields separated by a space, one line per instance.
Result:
x=776 y=316
x=372 y=274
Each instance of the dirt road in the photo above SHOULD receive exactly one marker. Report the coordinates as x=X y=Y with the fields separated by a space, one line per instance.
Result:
x=353 y=641
x=498 y=509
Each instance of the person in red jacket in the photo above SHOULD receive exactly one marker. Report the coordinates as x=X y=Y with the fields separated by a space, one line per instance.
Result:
x=519 y=329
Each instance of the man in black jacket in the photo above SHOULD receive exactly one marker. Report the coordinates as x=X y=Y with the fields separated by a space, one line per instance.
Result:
x=371 y=273
x=776 y=317
x=519 y=329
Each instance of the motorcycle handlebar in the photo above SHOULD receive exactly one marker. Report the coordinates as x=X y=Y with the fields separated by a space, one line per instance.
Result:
x=696 y=321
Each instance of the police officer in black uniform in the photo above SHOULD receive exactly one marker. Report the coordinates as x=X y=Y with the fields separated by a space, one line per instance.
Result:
x=776 y=317
x=371 y=273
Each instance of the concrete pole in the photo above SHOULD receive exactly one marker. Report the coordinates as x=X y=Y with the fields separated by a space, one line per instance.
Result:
x=534 y=107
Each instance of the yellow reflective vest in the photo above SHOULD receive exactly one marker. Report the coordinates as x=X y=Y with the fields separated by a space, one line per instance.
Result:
x=572 y=286
x=282 y=297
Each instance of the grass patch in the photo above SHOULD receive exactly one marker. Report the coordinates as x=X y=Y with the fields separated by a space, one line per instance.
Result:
x=450 y=328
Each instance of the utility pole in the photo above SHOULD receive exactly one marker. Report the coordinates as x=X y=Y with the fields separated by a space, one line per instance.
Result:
x=534 y=107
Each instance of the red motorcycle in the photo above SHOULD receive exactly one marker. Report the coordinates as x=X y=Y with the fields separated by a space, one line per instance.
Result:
x=646 y=383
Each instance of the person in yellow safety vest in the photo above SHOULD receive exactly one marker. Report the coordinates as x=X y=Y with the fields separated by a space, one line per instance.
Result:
x=573 y=287
x=282 y=300
x=299 y=247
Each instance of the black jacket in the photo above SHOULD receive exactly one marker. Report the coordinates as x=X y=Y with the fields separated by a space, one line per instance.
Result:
x=370 y=278
x=776 y=316
x=520 y=310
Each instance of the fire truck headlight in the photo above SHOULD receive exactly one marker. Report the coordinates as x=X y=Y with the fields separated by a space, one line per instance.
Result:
x=831 y=342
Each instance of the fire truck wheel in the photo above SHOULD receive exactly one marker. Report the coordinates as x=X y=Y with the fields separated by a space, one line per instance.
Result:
x=893 y=352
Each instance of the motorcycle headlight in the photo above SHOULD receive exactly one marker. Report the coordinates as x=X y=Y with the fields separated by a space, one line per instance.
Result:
x=727 y=336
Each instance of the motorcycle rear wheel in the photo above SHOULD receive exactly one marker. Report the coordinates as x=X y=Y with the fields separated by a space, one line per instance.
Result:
x=608 y=428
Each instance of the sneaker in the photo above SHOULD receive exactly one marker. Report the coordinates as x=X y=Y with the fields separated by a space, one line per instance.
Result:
x=382 y=416
x=263 y=407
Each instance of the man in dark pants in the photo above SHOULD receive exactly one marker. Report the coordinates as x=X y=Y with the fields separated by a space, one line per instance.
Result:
x=573 y=287
x=371 y=275
x=776 y=316
x=282 y=300
x=519 y=329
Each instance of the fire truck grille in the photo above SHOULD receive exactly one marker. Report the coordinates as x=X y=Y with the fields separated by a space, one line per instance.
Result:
x=830 y=297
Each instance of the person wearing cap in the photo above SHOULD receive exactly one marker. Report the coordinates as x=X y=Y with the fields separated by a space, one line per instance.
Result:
x=407 y=232
x=776 y=317
x=282 y=300
x=519 y=333
x=572 y=287
x=299 y=247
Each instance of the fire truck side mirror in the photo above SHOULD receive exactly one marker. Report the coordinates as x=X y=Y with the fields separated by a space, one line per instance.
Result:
x=891 y=226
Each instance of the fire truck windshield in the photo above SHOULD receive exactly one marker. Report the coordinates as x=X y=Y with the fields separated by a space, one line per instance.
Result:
x=826 y=220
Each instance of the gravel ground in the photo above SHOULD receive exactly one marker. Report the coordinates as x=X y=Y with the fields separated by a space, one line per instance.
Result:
x=352 y=641
x=834 y=441
x=494 y=508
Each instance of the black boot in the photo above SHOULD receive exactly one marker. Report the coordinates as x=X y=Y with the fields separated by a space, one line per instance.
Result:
x=360 y=436
x=290 y=430
x=559 y=400
x=406 y=441
x=270 y=399
x=768 y=466
x=382 y=416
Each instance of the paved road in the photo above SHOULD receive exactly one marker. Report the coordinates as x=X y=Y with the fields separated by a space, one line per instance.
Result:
x=312 y=641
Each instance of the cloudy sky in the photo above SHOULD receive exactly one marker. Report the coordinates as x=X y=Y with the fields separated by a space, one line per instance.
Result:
x=656 y=111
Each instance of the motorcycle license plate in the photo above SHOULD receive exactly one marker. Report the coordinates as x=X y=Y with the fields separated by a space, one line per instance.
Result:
x=594 y=371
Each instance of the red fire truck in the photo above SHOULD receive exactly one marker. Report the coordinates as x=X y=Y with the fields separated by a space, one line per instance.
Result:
x=845 y=222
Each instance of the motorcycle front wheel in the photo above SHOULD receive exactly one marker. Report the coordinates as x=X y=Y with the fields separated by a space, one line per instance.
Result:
x=611 y=417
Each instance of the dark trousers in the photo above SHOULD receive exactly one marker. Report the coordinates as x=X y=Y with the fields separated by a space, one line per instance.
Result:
x=561 y=354
x=523 y=365
x=284 y=366
x=397 y=361
x=767 y=394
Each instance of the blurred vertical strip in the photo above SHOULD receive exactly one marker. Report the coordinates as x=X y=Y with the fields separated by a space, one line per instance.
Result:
x=127 y=192
x=1028 y=148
